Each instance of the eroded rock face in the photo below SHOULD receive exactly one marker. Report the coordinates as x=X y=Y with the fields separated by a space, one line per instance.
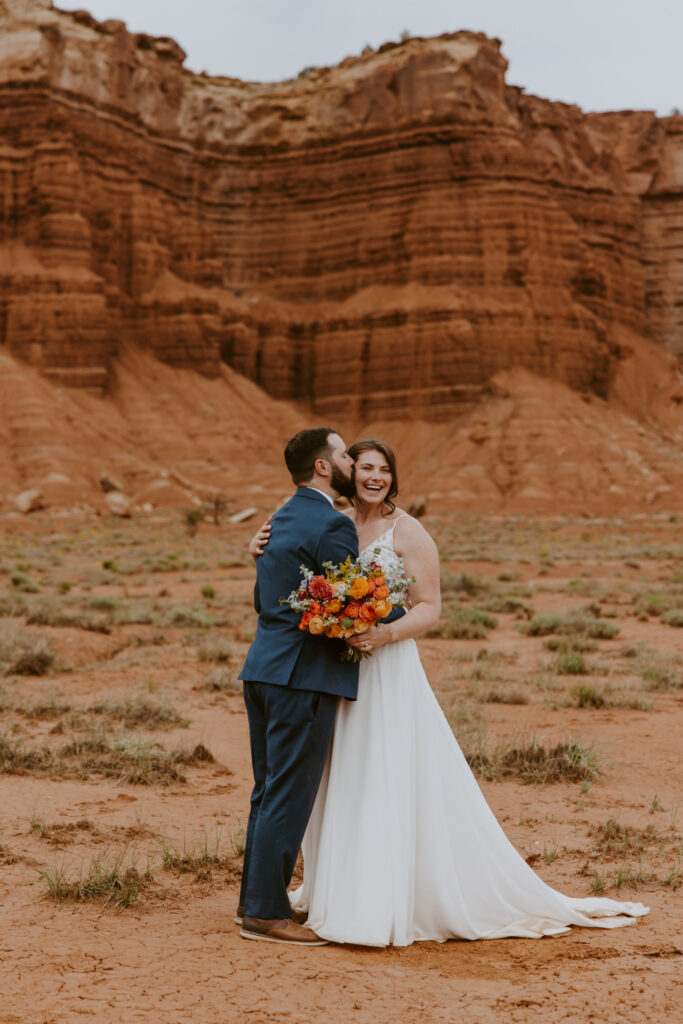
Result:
x=379 y=238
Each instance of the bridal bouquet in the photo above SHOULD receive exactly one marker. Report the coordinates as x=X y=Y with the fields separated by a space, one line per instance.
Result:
x=349 y=598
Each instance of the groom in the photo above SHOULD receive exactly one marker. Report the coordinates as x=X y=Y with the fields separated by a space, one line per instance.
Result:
x=291 y=684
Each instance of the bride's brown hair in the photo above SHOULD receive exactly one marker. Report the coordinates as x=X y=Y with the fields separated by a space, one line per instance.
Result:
x=371 y=444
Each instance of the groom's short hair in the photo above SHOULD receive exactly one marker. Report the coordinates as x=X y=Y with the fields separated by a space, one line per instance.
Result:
x=304 y=448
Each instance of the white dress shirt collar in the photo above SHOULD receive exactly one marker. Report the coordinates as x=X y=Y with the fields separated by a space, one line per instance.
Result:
x=311 y=488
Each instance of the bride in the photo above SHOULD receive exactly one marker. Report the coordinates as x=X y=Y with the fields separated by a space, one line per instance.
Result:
x=401 y=844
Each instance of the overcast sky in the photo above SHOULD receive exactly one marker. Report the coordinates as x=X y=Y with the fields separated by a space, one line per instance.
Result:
x=601 y=54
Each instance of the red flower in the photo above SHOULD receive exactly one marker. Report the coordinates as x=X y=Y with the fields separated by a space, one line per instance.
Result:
x=320 y=589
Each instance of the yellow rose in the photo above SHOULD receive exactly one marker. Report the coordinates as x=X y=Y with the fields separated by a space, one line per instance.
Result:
x=382 y=608
x=333 y=606
x=359 y=588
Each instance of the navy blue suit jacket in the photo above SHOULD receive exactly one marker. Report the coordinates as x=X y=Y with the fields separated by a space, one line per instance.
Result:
x=308 y=531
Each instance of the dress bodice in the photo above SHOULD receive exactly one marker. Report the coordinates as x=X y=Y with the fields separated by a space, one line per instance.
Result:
x=381 y=550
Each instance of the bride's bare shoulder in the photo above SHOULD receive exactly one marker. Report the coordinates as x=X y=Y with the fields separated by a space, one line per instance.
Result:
x=406 y=520
x=409 y=531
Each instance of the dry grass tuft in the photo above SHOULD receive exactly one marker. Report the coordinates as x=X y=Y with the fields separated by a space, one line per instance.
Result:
x=215 y=648
x=60 y=833
x=126 y=759
x=532 y=763
x=107 y=879
x=571 y=624
x=23 y=653
x=613 y=837
x=135 y=712
x=223 y=680
x=197 y=858
x=463 y=623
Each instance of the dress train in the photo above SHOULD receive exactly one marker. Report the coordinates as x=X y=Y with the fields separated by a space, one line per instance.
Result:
x=402 y=845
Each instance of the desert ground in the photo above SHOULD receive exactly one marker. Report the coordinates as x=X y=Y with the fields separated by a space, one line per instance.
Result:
x=125 y=772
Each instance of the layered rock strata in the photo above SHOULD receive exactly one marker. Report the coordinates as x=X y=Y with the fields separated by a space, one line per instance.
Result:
x=379 y=238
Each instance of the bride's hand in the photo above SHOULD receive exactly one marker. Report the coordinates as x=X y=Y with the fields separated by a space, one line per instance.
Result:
x=260 y=539
x=376 y=636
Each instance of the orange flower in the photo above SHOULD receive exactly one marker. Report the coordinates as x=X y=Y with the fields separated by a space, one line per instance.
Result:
x=367 y=613
x=305 y=619
x=315 y=608
x=316 y=625
x=333 y=606
x=371 y=586
x=381 y=593
x=334 y=630
x=352 y=610
x=360 y=626
x=359 y=588
x=380 y=580
x=382 y=608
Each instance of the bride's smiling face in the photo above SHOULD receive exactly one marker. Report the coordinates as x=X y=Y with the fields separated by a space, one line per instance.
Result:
x=373 y=477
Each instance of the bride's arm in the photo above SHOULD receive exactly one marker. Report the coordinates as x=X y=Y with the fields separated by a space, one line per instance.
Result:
x=421 y=560
x=260 y=539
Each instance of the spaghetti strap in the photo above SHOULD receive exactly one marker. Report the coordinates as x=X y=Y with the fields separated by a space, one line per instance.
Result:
x=403 y=515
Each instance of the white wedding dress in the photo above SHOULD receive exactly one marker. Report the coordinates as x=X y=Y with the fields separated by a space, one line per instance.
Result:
x=401 y=844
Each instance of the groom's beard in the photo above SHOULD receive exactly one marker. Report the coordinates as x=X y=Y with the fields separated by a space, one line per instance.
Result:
x=345 y=486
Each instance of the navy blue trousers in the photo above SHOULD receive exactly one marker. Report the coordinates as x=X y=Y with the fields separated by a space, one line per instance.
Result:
x=290 y=732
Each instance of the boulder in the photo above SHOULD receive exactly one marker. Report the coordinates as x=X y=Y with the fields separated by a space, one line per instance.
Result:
x=29 y=501
x=418 y=507
x=110 y=483
x=118 y=504
x=240 y=517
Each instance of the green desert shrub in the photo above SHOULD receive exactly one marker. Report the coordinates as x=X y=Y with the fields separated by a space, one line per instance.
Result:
x=20 y=581
x=464 y=623
x=462 y=583
x=223 y=680
x=214 y=647
x=587 y=696
x=571 y=624
x=570 y=663
x=23 y=653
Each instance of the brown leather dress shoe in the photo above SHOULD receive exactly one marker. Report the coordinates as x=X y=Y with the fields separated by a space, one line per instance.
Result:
x=300 y=916
x=284 y=930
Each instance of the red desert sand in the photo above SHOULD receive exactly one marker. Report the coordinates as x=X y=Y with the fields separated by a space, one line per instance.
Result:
x=126 y=774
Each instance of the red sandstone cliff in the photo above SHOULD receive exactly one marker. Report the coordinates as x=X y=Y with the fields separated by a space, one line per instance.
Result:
x=171 y=436
x=379 y=238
